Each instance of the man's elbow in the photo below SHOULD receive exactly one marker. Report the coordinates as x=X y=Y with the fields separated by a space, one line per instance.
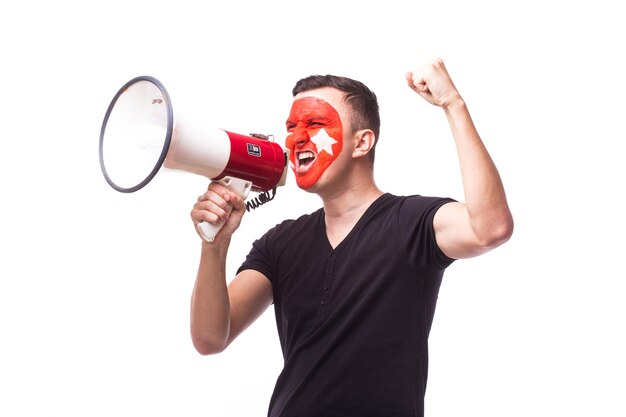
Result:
x=499 y=233
x=208 y=347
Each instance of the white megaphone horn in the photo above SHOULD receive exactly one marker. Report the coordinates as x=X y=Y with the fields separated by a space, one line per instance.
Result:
x=139 y=135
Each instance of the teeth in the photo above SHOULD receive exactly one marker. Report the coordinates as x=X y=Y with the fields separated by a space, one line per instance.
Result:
x=305 y=155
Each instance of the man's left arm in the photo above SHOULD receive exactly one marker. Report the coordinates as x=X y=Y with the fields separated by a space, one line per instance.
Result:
x=484 y=221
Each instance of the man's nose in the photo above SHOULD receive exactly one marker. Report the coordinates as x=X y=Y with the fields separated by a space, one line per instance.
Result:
x=297 y=138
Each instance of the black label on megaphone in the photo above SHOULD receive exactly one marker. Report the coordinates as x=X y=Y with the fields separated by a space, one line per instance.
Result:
x=254 y=150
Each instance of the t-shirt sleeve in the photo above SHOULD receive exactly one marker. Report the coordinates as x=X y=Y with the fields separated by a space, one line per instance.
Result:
x=415 y=219
x=260 y=256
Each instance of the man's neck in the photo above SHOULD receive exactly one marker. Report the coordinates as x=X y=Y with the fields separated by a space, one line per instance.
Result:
x=353 y=199
x=343 y=210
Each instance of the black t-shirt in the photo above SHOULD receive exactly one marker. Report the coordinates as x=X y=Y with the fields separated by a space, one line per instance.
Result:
x=353 y=322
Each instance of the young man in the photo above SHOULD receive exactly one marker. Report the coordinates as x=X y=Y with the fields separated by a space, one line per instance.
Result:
x=354 y=284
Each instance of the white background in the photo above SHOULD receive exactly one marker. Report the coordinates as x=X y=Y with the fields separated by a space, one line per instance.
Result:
x=95 y=285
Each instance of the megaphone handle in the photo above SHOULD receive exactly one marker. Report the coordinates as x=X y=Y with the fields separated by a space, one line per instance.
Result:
x=207 y=230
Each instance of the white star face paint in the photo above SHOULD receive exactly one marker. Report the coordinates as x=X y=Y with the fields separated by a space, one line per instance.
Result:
x=315 y=139
x=323 y=142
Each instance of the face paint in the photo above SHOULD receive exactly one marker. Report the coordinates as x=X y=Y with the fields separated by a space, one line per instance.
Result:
x=315 y=139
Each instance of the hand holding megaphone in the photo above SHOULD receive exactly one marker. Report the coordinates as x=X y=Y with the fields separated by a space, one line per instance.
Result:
x=139 y=136
x=207 y=230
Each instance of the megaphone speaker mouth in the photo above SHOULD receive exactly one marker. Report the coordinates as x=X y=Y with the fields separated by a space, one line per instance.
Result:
x=136 y=134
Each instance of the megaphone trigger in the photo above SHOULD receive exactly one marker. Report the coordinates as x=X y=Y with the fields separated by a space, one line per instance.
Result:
x=240 y=187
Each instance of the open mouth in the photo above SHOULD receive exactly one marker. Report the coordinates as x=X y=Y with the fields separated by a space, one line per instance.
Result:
x=304 y=160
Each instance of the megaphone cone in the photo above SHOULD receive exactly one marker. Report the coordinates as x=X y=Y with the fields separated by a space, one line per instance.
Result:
x=139 y=136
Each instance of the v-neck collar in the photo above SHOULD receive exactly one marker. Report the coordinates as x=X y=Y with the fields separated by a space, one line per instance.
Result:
x=366 y=214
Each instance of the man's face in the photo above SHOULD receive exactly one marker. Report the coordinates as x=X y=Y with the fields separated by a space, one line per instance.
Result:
x=315 y=138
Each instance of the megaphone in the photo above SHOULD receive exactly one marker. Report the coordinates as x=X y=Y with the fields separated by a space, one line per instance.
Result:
x=139 y=136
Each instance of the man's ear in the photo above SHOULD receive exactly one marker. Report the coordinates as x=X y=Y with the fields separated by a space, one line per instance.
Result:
x=364 y=141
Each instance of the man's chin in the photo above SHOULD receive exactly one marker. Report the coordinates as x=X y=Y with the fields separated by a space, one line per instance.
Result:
x=305 y=187
x=306 y=183
x=308 y=178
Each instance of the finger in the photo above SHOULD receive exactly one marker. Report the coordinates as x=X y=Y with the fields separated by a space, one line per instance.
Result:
x=416 y=82
x=409 y=79
x=219 y=195
x=236 y=202
x=212 y=207
x=413 y=80
x=207 y=195
x=209 y=212
x=199 y=216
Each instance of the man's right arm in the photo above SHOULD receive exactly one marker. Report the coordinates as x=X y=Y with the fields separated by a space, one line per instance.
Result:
x=220 y=312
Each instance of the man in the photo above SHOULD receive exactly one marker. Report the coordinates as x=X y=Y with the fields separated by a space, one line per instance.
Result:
x=354 y=284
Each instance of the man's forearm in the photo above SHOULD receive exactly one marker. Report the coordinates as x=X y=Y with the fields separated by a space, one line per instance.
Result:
x=485 y=197
x=210 y=307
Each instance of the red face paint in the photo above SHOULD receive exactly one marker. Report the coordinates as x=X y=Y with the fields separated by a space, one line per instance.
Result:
x=315 y=139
